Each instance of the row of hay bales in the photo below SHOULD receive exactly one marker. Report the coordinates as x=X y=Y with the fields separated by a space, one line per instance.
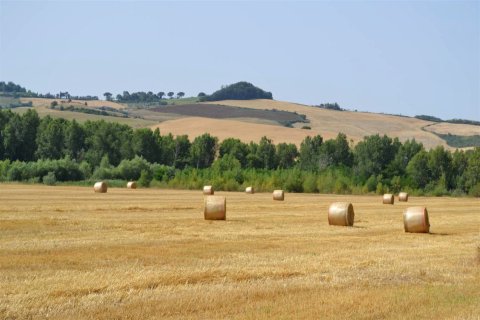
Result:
x=278 y=195
x=102 y=186
x=415 y=219
x=389 y=198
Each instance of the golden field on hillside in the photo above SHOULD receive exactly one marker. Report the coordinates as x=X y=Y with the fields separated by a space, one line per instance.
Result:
x=226 y=128
x=68 y=253
x=327 y=123
x=357 y=125
x=44 y=102
x=44 y=111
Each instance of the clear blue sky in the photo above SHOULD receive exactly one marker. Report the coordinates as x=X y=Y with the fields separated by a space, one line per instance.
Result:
x=395 y=57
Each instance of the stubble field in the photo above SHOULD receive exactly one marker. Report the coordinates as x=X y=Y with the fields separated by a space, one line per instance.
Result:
x=67 y=253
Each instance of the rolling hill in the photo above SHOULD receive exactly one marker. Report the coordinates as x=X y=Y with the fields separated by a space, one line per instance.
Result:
x=327 y=123
x=249 y=120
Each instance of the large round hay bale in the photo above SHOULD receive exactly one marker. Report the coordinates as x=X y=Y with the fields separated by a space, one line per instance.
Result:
x=132 y=185
x=388 y=198
x=403 y=196
x=215 y=208
x=341 y=214
x=249 y=190
x=100 y=187
x=278 y=195
x=415 y=219
x=208 y=190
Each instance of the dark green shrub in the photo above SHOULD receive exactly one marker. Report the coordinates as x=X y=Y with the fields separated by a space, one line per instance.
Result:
x=49 y=179
x=145 y=178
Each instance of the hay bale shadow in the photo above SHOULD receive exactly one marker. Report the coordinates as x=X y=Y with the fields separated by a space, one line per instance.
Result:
x=440 y=234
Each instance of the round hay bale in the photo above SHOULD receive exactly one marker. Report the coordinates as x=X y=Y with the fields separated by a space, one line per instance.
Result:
x=132 y=185
x=278 y=195
x=415 y=219
x=341 y=214
x=215 y=208
x=403 y=196
x=100 y=187
x=208 y=190
x=250 y=190
x=388 y=198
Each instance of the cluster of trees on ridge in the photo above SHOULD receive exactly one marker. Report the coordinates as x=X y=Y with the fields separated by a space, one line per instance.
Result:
x=48 y=150
x=458 y=121
x=329 y=106
x=10 y=89
x=238 y=91
x=142 y=96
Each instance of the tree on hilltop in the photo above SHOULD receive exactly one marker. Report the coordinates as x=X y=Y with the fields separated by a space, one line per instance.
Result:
x=108 y=96
x=239 y=91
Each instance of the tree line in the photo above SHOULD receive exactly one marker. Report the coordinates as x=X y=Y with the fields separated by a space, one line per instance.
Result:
x=457 y=121
x=142 y=96
x=10 y=89
x=31 y=148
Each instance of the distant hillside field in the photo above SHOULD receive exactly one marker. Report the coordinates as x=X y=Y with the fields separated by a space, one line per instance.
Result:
x=40 y=102
x=453 y=128
x=356 y=125
x=249 y=120
x=82 y=117
x=215 y=111
x=221 y=128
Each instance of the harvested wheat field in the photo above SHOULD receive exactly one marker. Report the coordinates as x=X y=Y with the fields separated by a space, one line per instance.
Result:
x=68 y=253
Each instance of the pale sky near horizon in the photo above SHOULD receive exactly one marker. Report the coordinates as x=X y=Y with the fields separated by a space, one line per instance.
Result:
x=403 y=57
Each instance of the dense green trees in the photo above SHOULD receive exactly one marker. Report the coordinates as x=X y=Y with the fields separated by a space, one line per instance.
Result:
x=11 y=87
x=50 y=139
x=236 y=148
x=310 y=153
x=181 y=152
x=74 y=140
x=286 y=154
x=19 y=134
x=140 y=96
x=147 y=144
x=238 y=91
x=59 y=150
x=373 y=154
x=472 y=172
x=203 y=151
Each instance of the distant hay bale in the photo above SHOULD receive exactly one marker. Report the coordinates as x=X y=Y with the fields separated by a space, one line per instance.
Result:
x=215 y=208
x=403 y=196
x=132 y=185
x=388 y=198
x=415 y=219
x=250 y=190
x=208 y=190
x=278 y=195
x=341 y=214
x=100 y=187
